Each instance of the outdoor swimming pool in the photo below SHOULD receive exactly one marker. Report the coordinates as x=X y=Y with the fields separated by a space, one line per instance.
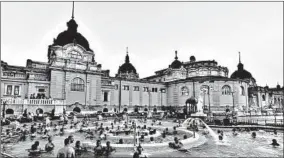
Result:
x=242 y=145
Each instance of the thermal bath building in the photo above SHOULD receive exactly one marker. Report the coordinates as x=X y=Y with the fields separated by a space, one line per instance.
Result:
x=71 y=79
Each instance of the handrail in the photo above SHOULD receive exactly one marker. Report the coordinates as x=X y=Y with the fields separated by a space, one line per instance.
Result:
x=8 y=155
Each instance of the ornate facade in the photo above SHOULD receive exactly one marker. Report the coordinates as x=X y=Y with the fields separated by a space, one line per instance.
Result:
x=71 y=78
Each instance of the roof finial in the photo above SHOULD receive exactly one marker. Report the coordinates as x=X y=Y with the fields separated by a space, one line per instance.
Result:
x=126 y=57
x=73 y=11
x=176 y=54
x=239 y=57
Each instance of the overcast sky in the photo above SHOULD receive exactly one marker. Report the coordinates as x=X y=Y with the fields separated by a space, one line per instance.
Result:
x=152 y=32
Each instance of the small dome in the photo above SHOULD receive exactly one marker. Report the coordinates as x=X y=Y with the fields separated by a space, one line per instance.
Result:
x=176 y=64
x=241 y=73
x=127 y=67
x=192 y=59
x=191 y=100
x=70 y=35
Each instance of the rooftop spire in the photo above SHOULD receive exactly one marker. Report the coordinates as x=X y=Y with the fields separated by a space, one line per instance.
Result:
x=239 y=57
x=176 y=55
x=73 y=11
x=127 y=57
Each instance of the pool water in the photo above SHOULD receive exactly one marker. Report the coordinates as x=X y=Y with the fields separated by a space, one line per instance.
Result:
x=242 y=145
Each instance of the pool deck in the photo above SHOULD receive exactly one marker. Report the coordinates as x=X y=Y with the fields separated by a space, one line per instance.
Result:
x=245 y=126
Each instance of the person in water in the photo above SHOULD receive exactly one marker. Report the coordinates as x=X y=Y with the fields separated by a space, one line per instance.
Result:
x=71 y=138
x=49 y=146
x=274 y=143
x=275 y=132
x=108 y=149
x=35 y=150
x=67 y=151
x=98 y=150
x=253 y=135
x=176 y=144
x=220 y=137
x=78 y=148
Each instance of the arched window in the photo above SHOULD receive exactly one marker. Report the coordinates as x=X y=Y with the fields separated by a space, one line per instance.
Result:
x=184 y=91
x=77 y=84
x=226 y=90
x=242 y=90
x=263 y=97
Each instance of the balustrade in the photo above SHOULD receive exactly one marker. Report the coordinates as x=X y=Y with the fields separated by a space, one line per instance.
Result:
x=32 y=101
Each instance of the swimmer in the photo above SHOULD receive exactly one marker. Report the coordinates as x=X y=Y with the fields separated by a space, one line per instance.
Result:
x=49 y=146
x=220 y=137
x=253 y=135
x=274 y=143
x=275 y=132
x=98 y=150
x=108 y=149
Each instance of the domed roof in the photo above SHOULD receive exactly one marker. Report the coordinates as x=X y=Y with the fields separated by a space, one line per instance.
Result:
x=71 y=35
x=127 y=67
x=241 y=73
x=192 y=59
x=176 y=64
x=191 y=100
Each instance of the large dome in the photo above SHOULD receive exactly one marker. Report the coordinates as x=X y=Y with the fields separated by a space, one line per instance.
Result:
x=71 y=35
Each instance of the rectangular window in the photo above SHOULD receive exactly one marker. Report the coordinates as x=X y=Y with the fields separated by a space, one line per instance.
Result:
x=105 y=96
x=16 y=90
x=163 y=90
x=41 y=90
x=9 y=90
x=125 y=87
x=146 y=89
x=136 y=88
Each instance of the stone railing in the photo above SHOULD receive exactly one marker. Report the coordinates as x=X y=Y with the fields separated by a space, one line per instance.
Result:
x=32 y=101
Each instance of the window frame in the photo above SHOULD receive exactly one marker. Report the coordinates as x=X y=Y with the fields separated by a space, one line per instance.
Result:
x=77 y=85
x=226 y=90
x=11 y=90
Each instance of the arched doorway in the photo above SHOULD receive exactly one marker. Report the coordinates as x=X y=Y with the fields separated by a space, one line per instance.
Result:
x=105 y=110
x=9 y=111
x=77 y=109
x=39 y=111
x=114 y=109
x=125 y=109
x=136 y=109
x=146 y=109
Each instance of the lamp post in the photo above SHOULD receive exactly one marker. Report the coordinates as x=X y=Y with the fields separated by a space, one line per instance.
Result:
x=233 y=111
x=119 y=104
